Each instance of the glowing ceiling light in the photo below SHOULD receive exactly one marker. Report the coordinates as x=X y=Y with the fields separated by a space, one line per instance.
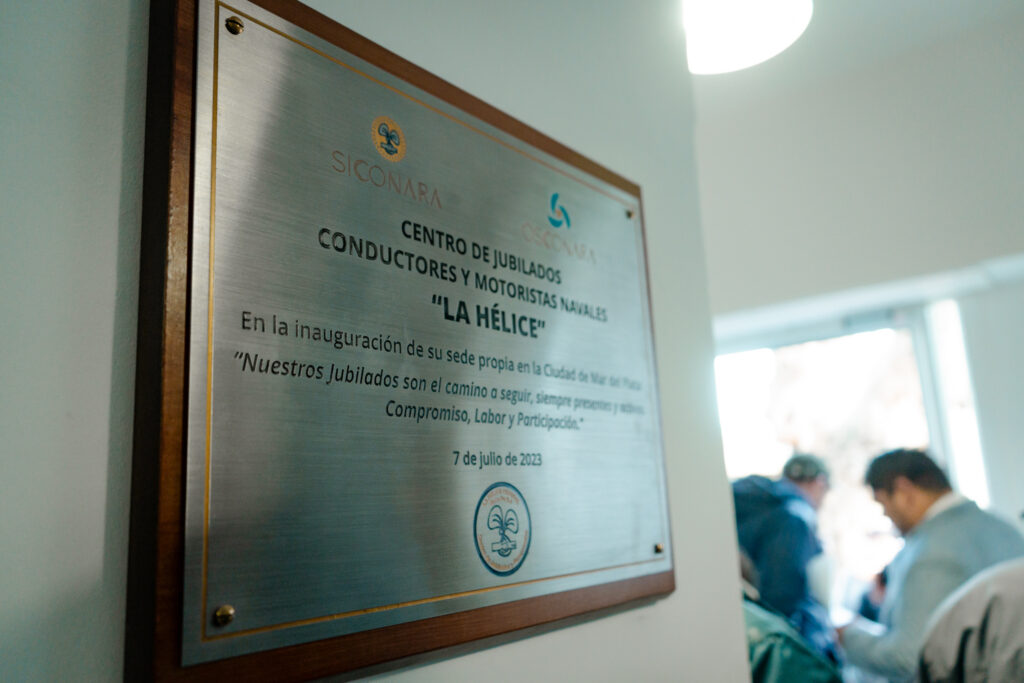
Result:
x=729 y=35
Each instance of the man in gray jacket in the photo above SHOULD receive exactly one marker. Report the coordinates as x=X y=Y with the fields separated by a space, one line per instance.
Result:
x=948 y=540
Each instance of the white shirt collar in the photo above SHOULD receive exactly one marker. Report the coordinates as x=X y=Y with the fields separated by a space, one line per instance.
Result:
x=943 y=503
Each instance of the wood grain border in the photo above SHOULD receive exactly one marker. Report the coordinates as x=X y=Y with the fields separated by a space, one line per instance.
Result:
x=155 y=565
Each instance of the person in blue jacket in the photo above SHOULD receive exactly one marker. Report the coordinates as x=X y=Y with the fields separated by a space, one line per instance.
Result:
x=776 y=521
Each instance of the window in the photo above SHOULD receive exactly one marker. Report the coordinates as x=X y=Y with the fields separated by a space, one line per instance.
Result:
x=846 y=398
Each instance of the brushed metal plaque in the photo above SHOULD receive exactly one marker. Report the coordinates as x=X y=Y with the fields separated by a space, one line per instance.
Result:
x=421 y=373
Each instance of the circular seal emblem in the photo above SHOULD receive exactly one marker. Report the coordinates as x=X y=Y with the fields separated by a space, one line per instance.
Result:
x=388 y=138
x=501 y=528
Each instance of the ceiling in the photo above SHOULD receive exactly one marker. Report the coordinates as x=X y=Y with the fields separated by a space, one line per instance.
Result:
x=846 y=36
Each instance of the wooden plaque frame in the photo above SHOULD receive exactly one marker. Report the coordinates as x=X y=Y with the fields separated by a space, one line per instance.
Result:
x=155 y=570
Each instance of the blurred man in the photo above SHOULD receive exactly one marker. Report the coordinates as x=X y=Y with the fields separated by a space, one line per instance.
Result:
x=776 y=521
x=948 y=540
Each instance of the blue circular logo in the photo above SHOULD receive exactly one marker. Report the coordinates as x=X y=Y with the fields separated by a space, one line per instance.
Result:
x=501 y=528
x=558 y=216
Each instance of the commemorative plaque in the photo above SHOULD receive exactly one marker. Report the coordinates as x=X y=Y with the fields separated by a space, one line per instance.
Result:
x=416 y=366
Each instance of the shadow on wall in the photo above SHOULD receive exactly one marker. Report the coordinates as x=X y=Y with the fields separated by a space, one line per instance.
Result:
x=76 y=633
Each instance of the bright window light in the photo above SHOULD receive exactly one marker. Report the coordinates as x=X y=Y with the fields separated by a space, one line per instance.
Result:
x=845 y=399
x=729 y=35
x=744 y=382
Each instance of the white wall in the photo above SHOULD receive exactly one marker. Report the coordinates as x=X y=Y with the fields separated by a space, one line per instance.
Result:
x=993 y=323
x=901 y=169
x=71 y=111
x=608 y=79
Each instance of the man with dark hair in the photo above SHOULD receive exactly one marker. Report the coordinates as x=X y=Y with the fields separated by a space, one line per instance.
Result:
x=910 y=464
x=776 y=521
x=948 y=540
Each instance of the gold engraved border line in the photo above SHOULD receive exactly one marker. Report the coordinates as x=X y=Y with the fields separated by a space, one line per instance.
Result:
x=432 y=108
x=414 y=603
x=209 y=321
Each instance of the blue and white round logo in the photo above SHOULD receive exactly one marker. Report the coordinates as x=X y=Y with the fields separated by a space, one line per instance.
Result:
x=501 y=527
x=559 y=216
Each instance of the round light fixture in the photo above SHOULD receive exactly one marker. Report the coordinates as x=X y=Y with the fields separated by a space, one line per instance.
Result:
x=729 y=35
